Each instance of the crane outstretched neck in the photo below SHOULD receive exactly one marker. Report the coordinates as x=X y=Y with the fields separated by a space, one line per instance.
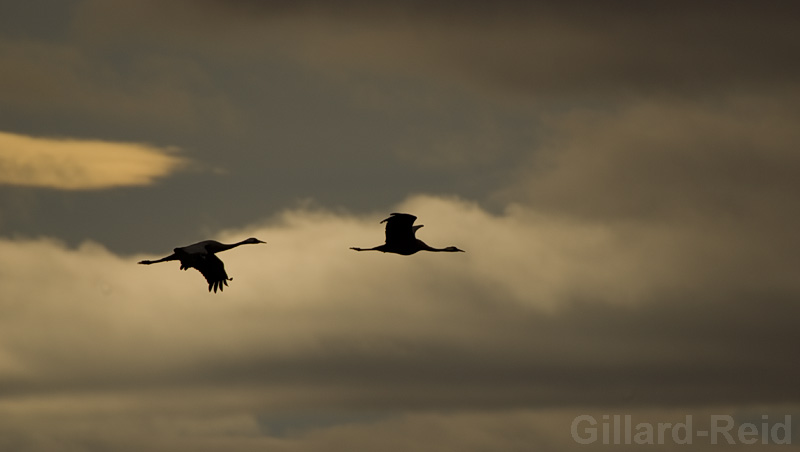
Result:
x=216 y=247
x=450 y=249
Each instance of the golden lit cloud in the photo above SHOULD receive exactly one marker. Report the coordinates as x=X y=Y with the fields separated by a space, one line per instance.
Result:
x=303 y=304
x=74 y=164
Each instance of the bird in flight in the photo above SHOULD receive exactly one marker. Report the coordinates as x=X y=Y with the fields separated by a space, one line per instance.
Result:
x=202 y=256
x=400 y=238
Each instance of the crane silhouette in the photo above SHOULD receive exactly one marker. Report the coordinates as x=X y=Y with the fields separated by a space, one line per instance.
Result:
x=202 y=256
x=401 y=239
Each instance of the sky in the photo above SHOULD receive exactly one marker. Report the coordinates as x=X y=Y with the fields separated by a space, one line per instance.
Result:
x=622 y=177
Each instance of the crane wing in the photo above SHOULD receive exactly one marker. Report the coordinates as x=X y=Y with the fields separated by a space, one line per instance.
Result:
x=400 y=228
x=213 y=270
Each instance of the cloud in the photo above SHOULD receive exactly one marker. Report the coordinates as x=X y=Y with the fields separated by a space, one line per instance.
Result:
x=537 y=311
x=76 y=164
x=573 y=51
x=541 y=313
x=67 y=79
x=715 y=178
x=569 y=52
x=660 y=159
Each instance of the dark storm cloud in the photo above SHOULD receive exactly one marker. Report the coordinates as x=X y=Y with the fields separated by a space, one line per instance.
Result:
x=569 y=51
x=280 y=103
